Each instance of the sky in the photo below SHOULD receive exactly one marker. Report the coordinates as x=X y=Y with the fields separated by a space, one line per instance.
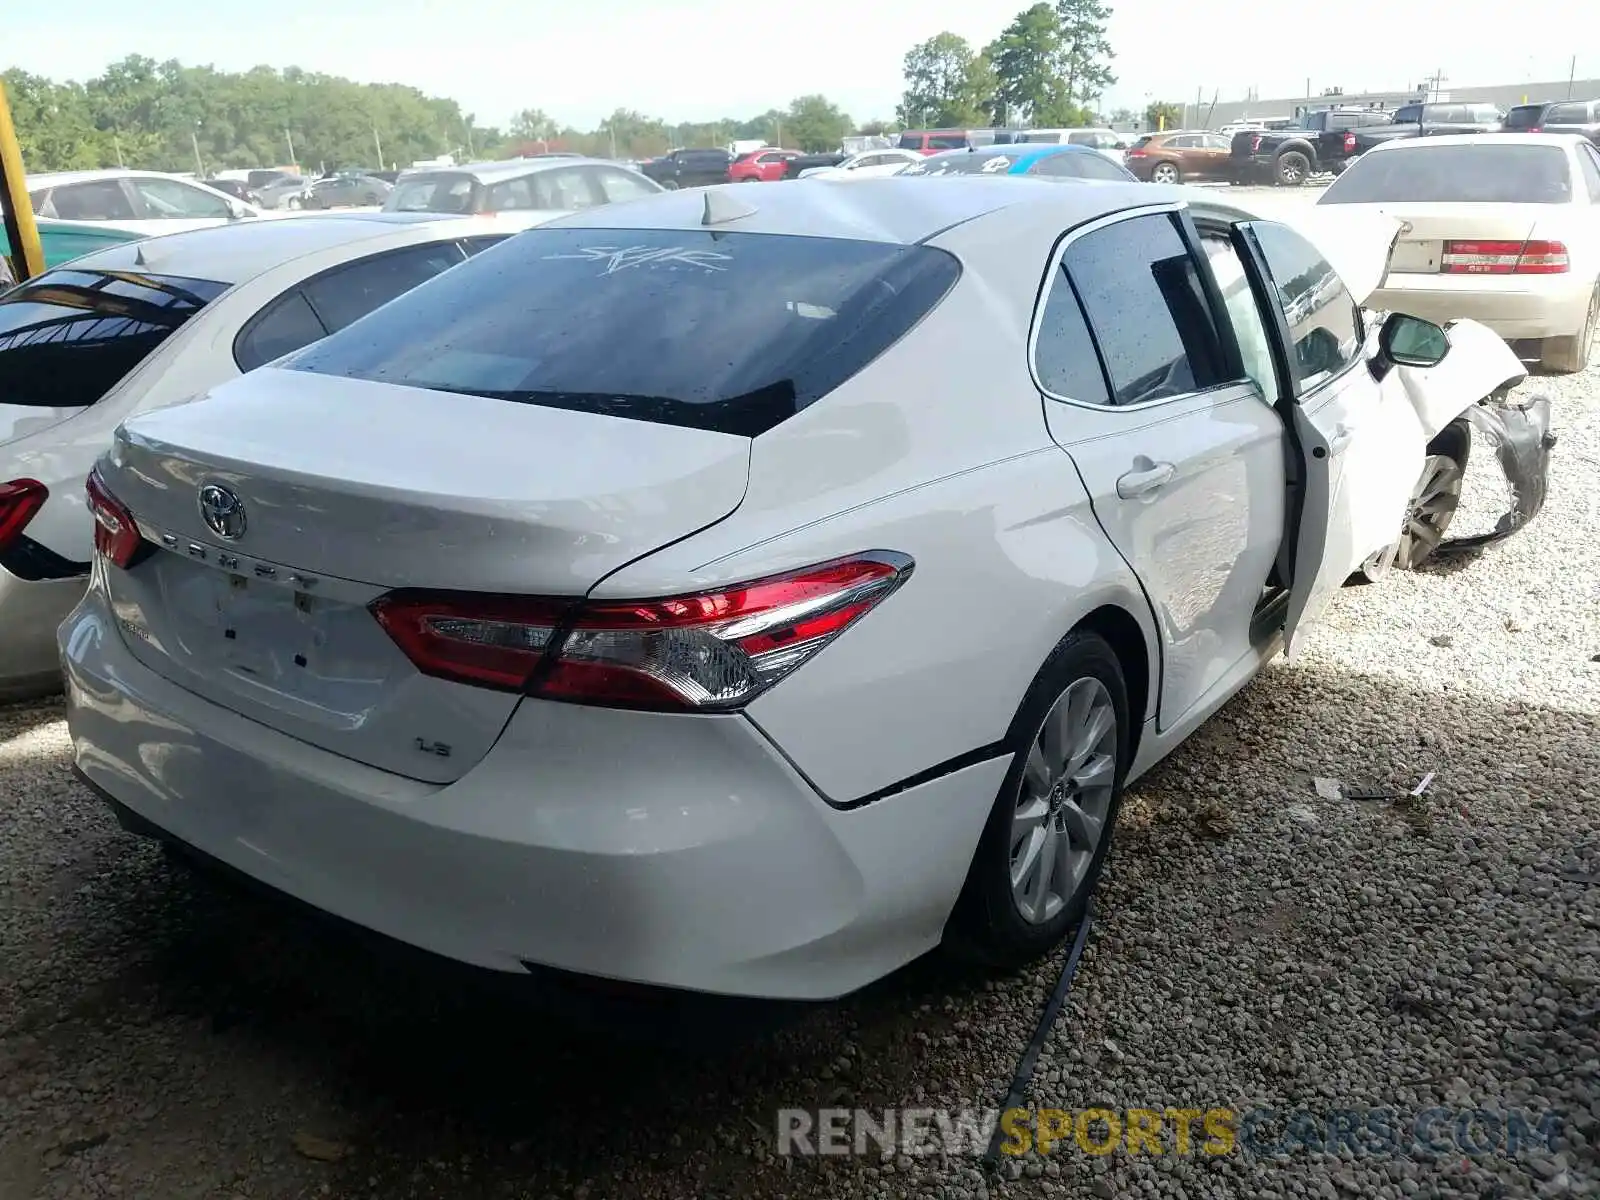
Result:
x=692 y=60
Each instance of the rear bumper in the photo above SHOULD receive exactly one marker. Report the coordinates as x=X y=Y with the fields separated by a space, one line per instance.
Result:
x=30 y=613
x=682 y=852
x=1506 y=304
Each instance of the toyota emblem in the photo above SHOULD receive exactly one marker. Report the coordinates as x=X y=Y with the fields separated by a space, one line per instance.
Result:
x=222 y=511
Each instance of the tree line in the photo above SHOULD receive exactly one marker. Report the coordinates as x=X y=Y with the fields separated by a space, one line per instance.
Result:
x=170 y=117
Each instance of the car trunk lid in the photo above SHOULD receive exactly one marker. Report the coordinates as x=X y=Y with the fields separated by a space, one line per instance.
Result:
x=335 y=491
x=1426 y=229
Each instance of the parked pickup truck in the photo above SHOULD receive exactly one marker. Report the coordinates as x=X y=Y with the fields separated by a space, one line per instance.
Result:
x=1318 y=141
x=688 y=168
x=1327 y=140
x=804 y=162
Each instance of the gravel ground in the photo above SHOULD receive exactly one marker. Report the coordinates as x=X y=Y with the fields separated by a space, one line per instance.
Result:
x=1257 y=946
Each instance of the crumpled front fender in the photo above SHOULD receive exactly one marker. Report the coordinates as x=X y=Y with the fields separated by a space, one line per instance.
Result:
x=1522 y=442
x=1479 y=364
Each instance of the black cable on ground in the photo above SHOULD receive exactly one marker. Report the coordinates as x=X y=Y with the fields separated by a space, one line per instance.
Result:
x=1047 y=1020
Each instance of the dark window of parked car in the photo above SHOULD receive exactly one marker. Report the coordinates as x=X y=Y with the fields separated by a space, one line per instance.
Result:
x=67 y=337
x=450 y=192
x=348 y=293
x=286 y=324
x=948 y=141
x=1525 y=116
x=1142 y=290
x=734 y=332
x=258 y=179
x=1491 y=172
x=1408 y=114
x=910 y=141
x=1091 y=165
x=1325 y=330
x=98 y=200
x=1568 y=114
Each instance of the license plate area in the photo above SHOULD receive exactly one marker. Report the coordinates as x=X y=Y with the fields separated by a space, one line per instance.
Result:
x=1417 y=257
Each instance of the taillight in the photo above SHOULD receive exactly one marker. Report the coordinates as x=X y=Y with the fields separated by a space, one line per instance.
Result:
x=707 y=652
x=1349 y=143
x=1537 y=129
x=1133 y=154
x=20 y=500
x=116 y=536
x=1504 y=258
x=1255 y=143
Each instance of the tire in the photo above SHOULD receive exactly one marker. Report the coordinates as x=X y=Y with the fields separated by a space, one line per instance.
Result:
x=989 y=925
x=294 y=203
x=1291 y=168
x=1569 y=355
x=1437 y=494
x=1165 y=172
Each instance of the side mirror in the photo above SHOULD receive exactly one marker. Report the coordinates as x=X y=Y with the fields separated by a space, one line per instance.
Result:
x=1407 y=341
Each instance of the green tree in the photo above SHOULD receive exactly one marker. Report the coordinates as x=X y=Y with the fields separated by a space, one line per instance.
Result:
x=533 y=125
x=1027 y=64
x=816 y=124
x=1085 y=50
x=1163 y=114
x=947 y=84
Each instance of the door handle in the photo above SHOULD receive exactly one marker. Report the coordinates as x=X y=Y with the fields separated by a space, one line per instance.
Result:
x=1146 y=477
x=1340 y=439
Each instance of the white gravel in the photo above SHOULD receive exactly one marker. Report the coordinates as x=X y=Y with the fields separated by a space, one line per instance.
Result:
x=1256 y=945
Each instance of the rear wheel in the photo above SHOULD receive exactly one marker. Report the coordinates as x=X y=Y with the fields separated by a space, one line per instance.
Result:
x=1291 y=168
x=1569 y=355
x=1436 y=497
x=1043 y=849
x=1165 y=172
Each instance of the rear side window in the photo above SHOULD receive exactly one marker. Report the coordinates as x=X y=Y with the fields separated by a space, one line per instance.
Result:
x=1064 y=358
x=433 y=193
x=1589 y=164
x=343 y=296
x=1151 y=318
x=1079 y=166
x=910 y=141
x=734 y=332
x=1568 y=114
x=98 y=200
x=286 y=324
x=67 y=337
x=1487 y=173
x=1408 y=114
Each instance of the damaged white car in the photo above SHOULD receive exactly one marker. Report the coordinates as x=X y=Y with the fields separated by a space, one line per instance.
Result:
x=657 y=597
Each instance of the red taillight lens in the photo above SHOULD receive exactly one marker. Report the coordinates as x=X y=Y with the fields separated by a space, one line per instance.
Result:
x=1255 y=143
x=20 y=500
x=116 y=535
x=1349 y=143
x=712 y=651
x=1537 y=129
x=1504 y=258
x=1133 y=154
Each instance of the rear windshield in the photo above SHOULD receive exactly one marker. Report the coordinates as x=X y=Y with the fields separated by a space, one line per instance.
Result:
x=910 y=141
x=67 y=337
x=1524 y=116
x=733 y=332
x=432 y=193
x=1481 y=174
x=963 y=164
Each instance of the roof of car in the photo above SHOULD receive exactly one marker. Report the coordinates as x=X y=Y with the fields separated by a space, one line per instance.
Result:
x=511 y=168
x=233 y=253
x=58 y=178
x=893 y=209
x=1566 y=140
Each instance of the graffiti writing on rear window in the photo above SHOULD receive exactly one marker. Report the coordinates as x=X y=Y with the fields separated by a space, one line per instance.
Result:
x=620 y=258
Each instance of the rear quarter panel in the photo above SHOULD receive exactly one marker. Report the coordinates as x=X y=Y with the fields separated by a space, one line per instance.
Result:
x=942 y=453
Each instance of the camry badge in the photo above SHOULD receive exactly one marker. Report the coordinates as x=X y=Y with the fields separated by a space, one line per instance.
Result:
x=222 y=511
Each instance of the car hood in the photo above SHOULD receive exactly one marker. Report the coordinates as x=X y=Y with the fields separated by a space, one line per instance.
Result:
x=1357 y=244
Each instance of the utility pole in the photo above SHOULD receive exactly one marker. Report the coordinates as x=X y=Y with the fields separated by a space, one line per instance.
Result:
x=117 y=142
x=22 y=235
x=376 y=141
x=612 y=130
x=1572 y=69
x=194 y=137
x=470 y=151
x=293 y=162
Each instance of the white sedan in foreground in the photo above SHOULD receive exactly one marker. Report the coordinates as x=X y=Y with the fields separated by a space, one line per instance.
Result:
x=1502 y=228
x=147 y=324
x=655 y=598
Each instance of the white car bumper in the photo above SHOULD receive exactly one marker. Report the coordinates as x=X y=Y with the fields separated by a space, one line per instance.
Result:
x=678 y=851
x=30 y=613
x=1515 y=307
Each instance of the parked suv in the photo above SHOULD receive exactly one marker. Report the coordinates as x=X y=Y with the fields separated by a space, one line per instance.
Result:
x=689 y=168
x=1573 y=116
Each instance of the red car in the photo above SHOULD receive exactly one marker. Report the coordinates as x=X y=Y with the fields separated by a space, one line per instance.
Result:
x=760 y=166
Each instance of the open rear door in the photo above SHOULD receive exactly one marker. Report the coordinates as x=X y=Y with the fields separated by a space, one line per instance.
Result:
x=1322 y=419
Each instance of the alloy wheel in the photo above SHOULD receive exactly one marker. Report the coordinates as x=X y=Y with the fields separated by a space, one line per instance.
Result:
x=1164 y=173
x=1433 y=506
x=1063 y=800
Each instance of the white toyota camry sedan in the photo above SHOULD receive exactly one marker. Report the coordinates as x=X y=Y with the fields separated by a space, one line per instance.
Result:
x=668 y=595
